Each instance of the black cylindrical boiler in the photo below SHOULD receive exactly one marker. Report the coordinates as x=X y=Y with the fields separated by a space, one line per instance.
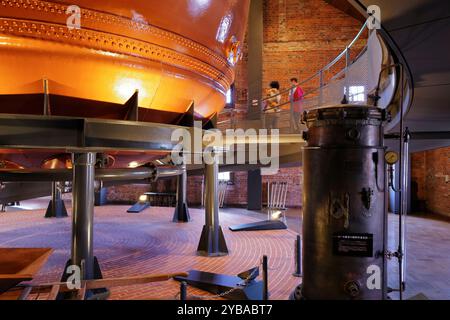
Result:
x=344 y=205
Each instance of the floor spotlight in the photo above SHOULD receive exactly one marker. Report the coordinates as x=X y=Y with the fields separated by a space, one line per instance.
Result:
x=143 y=203
x=276 y=215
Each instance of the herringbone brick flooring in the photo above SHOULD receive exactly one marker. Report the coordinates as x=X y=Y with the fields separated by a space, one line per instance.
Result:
x=149 y=243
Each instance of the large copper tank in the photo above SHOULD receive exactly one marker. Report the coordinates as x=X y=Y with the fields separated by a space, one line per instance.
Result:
x=173 y=51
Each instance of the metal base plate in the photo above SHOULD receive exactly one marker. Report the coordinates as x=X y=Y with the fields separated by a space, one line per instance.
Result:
x=260 y=226
x=218 y=284
x=96 y=294
x=182 y=214
x=139 y=207
x=208 y=246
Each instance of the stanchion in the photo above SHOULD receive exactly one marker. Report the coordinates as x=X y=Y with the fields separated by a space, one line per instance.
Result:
x=181 y=213
x=82 y=253
x=183 y=291
x=298 y=257
x=56 y=207
x=265 y=279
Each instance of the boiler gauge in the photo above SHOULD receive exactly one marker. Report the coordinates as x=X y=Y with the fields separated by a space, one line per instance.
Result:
x=391 y=157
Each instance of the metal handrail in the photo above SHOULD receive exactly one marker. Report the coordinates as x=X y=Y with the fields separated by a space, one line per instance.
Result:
x=327 y=67
x=344 y=53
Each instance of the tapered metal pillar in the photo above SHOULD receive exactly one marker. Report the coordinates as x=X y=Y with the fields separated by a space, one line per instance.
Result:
x=56 y=207
x=100 y=197
x=182 y=211
x=212 y=241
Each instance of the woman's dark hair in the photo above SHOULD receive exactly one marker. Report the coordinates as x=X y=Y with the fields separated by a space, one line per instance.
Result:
x=294 y=80
x=275 y=85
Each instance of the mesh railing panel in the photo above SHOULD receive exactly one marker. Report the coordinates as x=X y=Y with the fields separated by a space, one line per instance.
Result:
x=346 y=80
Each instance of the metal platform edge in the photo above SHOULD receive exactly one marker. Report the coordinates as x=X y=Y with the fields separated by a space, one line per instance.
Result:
x=84 y=134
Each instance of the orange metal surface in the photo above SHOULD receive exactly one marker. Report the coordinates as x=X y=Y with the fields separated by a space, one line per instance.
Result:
x=172 y=51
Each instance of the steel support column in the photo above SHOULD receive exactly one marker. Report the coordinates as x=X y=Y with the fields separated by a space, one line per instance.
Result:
x=255 y=58
x=82 y=254
x=212 y=241
x=254 y=183
x=83 y=213
x=56 y=207
x=182 y=211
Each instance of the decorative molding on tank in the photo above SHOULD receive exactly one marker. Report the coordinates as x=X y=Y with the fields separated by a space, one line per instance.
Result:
x=99 y=31
x=110 y=43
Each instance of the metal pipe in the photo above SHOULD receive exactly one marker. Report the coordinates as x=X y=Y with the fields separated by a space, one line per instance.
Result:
x=277 y=196
x=387 y=177
x=83 y=213
x=268 y=200
x=212 y=201
x=283 y=187
x=183 y=291
x=170 y=171
x=280 y=195
x=321 y=83
x=42 y=175
x=347 y=75
x=224 y=193
x=203 y=192
x=181 y=211
x=402 y=189
x=403 y=212
x=298 y=257
x=220 y=193
x=274 y=193
x=223 y=185
x=265 y=278
x=285 y=196
x=271 y=196
x=47 y=111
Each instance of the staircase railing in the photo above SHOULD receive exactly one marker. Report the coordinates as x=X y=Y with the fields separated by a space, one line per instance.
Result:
x=350 y=78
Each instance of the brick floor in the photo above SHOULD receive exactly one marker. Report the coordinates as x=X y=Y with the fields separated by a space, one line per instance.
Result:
x=149 y=243
x=427 y=252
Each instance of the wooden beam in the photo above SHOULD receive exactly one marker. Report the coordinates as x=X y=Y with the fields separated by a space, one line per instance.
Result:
x=114 y=282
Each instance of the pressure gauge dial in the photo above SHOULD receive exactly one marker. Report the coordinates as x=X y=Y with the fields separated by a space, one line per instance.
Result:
x=391 y=157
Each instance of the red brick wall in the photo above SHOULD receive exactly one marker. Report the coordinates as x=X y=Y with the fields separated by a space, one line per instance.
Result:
x=130 y=193
x=429 y=171
x=194 y=190
x=300 y=37
x=237 y=191
x=294 y=178
x=126 y=193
